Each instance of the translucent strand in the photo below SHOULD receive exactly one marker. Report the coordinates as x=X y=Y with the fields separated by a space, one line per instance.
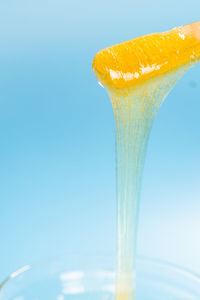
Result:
x=134 y=114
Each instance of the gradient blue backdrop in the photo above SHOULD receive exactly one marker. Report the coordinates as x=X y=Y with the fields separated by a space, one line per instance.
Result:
x=57 y=178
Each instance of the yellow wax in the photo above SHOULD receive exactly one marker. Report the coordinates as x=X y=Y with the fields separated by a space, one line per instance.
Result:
x=129 y=63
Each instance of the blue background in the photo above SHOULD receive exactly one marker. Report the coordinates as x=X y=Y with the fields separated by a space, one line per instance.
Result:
x=57 y=162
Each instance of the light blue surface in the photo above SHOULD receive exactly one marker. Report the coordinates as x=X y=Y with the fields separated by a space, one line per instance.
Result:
x=57 y=179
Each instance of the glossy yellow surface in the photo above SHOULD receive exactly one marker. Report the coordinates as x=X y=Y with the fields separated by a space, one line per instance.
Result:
x=129 y=63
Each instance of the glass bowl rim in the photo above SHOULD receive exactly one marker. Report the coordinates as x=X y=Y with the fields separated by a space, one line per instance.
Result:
x=151 y=261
